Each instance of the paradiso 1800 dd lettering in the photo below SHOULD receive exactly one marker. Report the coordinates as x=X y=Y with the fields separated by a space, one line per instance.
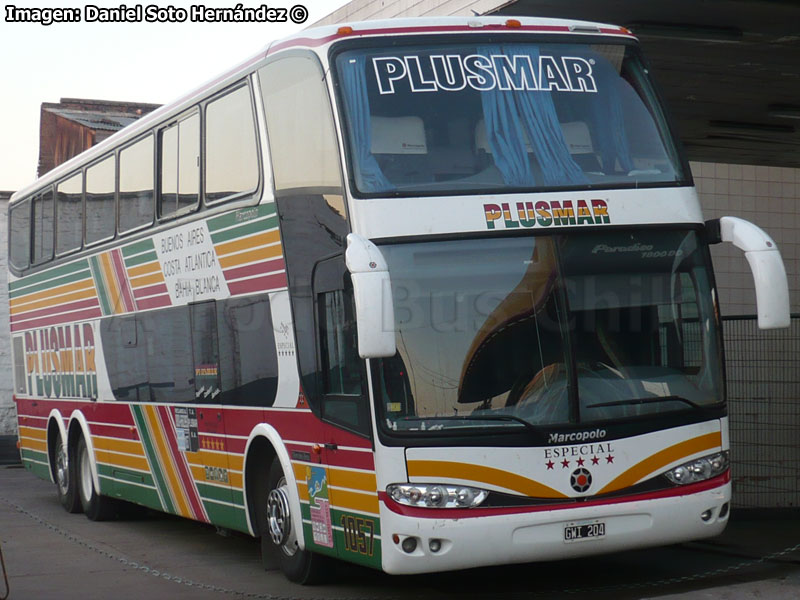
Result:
x=546 y=214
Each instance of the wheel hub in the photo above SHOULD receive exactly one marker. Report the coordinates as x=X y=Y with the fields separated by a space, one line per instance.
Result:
x=62 y=468
x=278 y=515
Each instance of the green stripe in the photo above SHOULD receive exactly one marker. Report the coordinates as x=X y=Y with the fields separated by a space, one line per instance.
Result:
x=27 y=454
x=138 y=247
x=99 y=284
x=134 y=493
x=243 y=230
x=78 y=276
x=152 y=456
x=41 y=471
x=339 y=542
x=227 y=516
x=141 y=259
x=235 y=217
x=120 y=474
x=222 y=494
x=44 y=276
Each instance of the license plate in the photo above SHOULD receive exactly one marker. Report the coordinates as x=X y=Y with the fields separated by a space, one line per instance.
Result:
x=584 y=530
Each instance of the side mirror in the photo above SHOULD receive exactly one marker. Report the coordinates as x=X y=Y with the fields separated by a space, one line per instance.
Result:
x=766 y=264
x=372 y=291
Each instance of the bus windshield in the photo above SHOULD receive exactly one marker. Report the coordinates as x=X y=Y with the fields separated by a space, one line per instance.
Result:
x=549 y=330
x=446 y=119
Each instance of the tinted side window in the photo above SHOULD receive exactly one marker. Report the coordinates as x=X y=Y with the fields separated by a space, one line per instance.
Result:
x=248 y=357
x=180 y=166
x=100 y=206
x=300 y=124
x=136 y=187
x=69 y=208
x=231 y=151
x=19 y=231
x=43 y=223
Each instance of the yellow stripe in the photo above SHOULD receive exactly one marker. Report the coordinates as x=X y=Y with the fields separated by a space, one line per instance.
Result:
x=252 y=256
x=51 y=301
x=345 y=499
x=46 y=294
x=123 y=460
x=663 y=458
x=224 y=461
x=352 y=479
x=114 y=295
x=159 y=439
x=138 y=282
x=253 y=241
x=438 y=469
x=152 y=267
x=235 y=480
x=30 y=444
x=114 y=445
x=33 y=432
x=302 y=491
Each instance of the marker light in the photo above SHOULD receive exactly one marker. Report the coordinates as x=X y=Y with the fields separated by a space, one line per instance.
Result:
x=513 y=23
x=344 y=30
x=700 y=469
x=432 y=495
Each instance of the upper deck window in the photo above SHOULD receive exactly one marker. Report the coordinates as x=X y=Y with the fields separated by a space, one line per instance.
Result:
x=444 y=119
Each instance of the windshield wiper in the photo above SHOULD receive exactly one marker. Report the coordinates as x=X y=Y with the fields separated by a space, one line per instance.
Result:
x=513 y=418
x=648 y=400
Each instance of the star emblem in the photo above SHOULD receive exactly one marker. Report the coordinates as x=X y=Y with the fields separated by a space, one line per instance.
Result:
x=550 y=464
x=595 y=460
x=580 y=462
x=609 y=459
x=565 y=464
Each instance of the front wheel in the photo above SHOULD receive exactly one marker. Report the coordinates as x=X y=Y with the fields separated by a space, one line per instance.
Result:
x=95 y=506
x=278 y=537
x=64 y=474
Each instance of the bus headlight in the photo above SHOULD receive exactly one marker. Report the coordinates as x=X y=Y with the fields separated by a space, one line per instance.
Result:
x=699 y=469
x=433 y=495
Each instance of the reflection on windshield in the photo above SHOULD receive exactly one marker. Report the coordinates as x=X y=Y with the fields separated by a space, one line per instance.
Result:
x=548 y=330
x=447 y=118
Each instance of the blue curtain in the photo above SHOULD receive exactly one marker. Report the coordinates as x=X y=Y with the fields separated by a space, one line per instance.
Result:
x=534 y=112
x=369 y=177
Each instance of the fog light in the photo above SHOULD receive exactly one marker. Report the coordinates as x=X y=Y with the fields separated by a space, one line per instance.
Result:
x=706 y=515
x=435 y=545
x=409 y=545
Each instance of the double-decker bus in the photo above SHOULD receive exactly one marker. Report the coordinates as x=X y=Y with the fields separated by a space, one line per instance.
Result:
x=417 y=294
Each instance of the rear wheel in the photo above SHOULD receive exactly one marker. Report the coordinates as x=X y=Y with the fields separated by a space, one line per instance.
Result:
x=278 y=538
x=95 y=506
x=64 y=474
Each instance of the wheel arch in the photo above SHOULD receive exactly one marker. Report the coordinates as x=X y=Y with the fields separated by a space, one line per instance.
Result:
x=264 y=443
x=79 y=426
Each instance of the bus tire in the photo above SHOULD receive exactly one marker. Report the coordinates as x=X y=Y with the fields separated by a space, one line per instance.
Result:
x=278 y=540
x=95 y=506
x=64 y=475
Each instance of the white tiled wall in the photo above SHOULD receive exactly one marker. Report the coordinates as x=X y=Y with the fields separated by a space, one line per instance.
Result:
x=766 y=196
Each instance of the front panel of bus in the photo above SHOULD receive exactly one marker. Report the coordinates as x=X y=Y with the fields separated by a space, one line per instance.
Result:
x=558 y=381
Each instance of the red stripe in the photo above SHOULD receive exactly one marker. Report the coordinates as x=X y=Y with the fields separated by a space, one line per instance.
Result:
x=269 y=266
x=459 y=513
x=44 y=312
x=154 y=302
x=92 y=313
x=196 y=505
x=159 y=288
x=118 y=266
x=258 y=284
